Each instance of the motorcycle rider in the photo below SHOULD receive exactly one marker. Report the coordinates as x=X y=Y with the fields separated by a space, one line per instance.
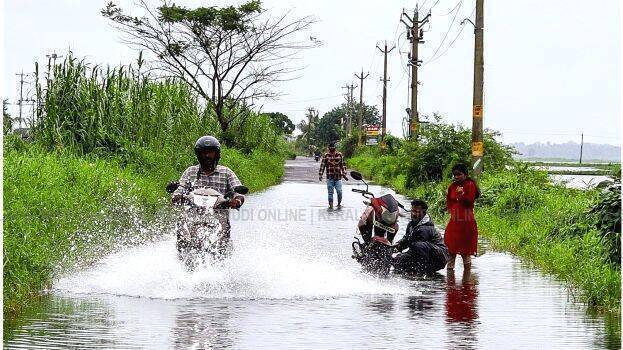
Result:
x=427 y=251
x=209 y=174
x=317 y=155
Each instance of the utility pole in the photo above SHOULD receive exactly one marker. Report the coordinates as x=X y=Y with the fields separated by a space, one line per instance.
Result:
x=385 y=80
x=347 y=124
x=478 y=108
x=345 y=119
x=581 y=147
x=21 y=100
x=415 y=33
x=360 y=120
x=351 y=110
x=311 y=114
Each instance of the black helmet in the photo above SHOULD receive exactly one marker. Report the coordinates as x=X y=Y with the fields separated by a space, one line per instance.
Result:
x=207 y=143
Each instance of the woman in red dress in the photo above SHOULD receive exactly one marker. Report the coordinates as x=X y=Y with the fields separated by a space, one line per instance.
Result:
x=461 y=234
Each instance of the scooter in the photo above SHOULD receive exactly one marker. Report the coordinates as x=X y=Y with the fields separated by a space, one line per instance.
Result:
x=200 y=234
x=375 y=254
x=317 y=156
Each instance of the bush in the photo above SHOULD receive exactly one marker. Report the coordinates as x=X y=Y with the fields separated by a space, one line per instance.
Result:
x=348 y=146
x=441 y=145
x=606 y=213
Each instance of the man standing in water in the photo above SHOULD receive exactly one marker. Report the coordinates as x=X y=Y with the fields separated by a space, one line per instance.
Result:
x=334 y=163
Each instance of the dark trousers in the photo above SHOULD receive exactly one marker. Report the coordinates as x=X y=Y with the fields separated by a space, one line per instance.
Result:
x=422 y=257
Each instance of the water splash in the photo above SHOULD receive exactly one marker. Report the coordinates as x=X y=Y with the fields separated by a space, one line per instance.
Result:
x=258 y=271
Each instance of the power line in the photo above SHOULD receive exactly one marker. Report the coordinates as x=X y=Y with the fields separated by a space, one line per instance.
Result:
x=451 y=43
x=456 y=8
x=452 y=10
x=307 y=100
x=432 y=7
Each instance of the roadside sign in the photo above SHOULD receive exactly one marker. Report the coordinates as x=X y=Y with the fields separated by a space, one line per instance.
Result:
x=372 y=141
x=477 y=111
x=372 y=134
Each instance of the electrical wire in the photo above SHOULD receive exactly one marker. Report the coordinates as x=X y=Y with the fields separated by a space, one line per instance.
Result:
x=456 y=8
x=451 y=43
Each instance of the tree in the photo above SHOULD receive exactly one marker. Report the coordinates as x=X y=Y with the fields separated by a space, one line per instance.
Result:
x=6 y=118
x=228 y=55
x=330 y=127
x=281 y=122
x=371 y=114
x=309 y=127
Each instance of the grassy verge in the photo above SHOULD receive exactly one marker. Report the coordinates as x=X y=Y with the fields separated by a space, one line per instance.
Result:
x=61 y=209
x=521 y=212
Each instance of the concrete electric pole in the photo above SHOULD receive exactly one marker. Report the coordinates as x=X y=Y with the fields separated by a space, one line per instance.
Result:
x=415 y=33
x=360 y=119
x=385 y=80
x=349 y=107
x=478 y=108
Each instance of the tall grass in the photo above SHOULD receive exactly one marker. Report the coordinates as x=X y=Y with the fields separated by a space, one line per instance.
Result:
x=91 y=109
x=59 y=208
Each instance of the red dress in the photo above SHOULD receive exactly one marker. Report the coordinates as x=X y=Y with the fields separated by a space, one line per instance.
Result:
x=461 y=235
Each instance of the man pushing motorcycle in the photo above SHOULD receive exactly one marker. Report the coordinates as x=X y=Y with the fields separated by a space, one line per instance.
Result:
x=427 y=252
x=209 y=174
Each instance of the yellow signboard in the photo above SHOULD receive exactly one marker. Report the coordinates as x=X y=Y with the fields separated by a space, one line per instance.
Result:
x=478 y=111
x=477 y=149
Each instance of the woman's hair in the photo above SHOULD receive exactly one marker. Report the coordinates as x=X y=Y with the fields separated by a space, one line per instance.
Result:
x=460 y=167
x=419 y=203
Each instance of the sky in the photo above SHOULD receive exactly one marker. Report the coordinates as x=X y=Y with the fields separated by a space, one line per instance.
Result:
x=552 y=68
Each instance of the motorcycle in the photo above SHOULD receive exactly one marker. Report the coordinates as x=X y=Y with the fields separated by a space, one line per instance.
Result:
x=199 y=230
x=375 y=254
x=316 y=156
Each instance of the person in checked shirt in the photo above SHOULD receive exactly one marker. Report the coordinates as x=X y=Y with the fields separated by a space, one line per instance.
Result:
x=333 y=162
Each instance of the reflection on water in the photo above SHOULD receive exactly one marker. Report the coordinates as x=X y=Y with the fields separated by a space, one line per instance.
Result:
x=462 y=310
x=200 y=328
x=461 y=299
x=292 y=284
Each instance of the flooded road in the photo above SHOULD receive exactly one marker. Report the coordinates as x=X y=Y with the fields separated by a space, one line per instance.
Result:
x=291 y=283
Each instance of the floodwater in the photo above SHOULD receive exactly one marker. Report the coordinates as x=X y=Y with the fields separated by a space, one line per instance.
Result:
x=564 y=168
x=291 y=283
x=580 y=181
x=574 y=180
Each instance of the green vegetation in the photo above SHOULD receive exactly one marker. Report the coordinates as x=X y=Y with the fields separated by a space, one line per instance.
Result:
x=322 y=131
x=573 y=234
x=106 y=142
